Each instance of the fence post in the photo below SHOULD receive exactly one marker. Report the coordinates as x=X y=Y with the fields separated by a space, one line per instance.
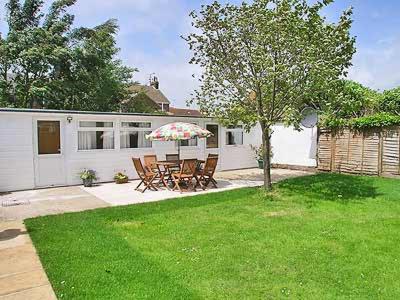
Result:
x=362 y=151
x=333 y=146
x=380 y=152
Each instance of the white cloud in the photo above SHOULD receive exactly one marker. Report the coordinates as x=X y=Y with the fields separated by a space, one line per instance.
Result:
x=378 y=67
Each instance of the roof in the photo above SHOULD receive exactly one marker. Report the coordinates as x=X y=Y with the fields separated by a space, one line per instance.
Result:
x=184 y=112
x=55 y=111
x=154 y=94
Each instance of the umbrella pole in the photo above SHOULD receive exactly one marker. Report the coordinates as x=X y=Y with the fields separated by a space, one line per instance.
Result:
x=179 y=149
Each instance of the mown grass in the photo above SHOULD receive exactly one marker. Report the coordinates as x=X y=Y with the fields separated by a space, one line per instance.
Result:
x=325 y=236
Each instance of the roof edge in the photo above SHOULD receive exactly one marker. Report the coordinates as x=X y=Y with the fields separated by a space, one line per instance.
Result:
x=85 y=112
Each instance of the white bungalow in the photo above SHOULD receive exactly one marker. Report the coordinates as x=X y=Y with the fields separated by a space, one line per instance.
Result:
x=42 y=148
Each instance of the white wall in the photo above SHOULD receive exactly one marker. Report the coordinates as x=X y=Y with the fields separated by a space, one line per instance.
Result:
x=293 y=147
x=17 y=151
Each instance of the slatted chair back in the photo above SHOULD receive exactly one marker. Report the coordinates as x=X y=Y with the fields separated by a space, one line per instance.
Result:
x=188 y=167
x=172 y=157
x=211 y=165
x=139 y=167
x=212 y=155
x=150 y=162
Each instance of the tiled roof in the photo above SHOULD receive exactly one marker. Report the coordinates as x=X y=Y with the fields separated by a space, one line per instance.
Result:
x=184 y=112
x=154 y=94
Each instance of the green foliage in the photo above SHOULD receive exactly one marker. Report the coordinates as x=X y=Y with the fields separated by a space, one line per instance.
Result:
x=376 y=120
x=382 y=119
x=351 y=101
x=359 y=107
x=390 y=101
x=120 y=176
x=88 y=174
x=263 y=61
x=46 y=63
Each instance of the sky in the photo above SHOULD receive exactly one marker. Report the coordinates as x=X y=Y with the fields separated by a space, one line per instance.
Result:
x=150 y=30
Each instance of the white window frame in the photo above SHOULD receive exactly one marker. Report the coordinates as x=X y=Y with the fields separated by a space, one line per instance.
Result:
x=113 y=129
x=131 y=129
x=238 y=128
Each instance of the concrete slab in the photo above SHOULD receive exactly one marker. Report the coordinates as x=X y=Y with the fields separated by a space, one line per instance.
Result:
x=20 y=259
x=124 y=194
x=38 y=293
x=21 y=273
x=47 y=202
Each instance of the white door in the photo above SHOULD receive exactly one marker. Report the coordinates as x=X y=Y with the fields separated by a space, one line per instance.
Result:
x=49 y=154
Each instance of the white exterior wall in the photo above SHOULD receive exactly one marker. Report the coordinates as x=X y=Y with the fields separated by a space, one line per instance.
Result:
x=291 y=147
x=16 y=152
x=18 y=158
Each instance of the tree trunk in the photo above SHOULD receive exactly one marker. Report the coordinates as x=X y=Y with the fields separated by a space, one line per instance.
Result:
x=266 y=139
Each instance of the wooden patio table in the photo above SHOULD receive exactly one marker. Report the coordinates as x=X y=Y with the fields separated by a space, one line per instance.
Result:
x=167 y=165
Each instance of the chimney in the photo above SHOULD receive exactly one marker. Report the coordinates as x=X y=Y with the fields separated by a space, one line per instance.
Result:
x=154 y=82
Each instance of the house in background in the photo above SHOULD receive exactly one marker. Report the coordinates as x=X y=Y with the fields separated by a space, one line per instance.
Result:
x=149 y=98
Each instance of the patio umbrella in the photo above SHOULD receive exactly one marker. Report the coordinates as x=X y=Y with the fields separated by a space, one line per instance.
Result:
x=178 y=131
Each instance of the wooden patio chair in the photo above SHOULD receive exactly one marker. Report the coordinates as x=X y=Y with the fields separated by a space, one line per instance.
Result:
x=146 y=176
x=186 y=174
x=150 y=163
x=206 y=175
x=173 y=158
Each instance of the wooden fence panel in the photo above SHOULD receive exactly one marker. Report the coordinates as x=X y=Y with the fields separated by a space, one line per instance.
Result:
x=341 y=142
x=355 y=153
x=371 y=152
x=324 y=150
x=370 y=163
x=390 y=152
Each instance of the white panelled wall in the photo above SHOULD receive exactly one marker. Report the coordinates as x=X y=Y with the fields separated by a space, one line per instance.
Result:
x=21 y=167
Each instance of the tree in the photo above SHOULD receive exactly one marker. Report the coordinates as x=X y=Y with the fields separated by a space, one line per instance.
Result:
x=46 y=63
x=390 y=101
x=263 y=61
x=352 y=100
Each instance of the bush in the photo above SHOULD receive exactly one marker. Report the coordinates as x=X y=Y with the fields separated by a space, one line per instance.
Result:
x=390 y=101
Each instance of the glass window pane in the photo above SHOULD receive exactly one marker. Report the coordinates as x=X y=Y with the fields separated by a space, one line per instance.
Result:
x=234 y=137
x=135 y=139
x=191 y=142
x=95 y=124
x=212 y=141
x=89 y=140
x=136 y=124
x=48 y=137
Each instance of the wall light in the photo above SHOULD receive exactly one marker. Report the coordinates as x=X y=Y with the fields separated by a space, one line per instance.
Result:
x=69 y=119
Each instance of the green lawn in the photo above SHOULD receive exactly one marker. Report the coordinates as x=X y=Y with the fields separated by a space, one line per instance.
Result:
x=325 y=236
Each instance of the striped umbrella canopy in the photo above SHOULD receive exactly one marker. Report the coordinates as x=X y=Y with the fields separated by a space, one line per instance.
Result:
x=178 y=131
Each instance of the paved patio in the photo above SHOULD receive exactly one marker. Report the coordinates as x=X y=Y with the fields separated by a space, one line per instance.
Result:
x=125 y=194
x=59 y=200
x=21 y=273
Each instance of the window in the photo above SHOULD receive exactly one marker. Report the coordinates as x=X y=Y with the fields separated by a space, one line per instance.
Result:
x=95 y=135
x=133 y=135
x=164 y=106
x=191 y=143
x=48 y=137
x=234 y=135
x=212 y=141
